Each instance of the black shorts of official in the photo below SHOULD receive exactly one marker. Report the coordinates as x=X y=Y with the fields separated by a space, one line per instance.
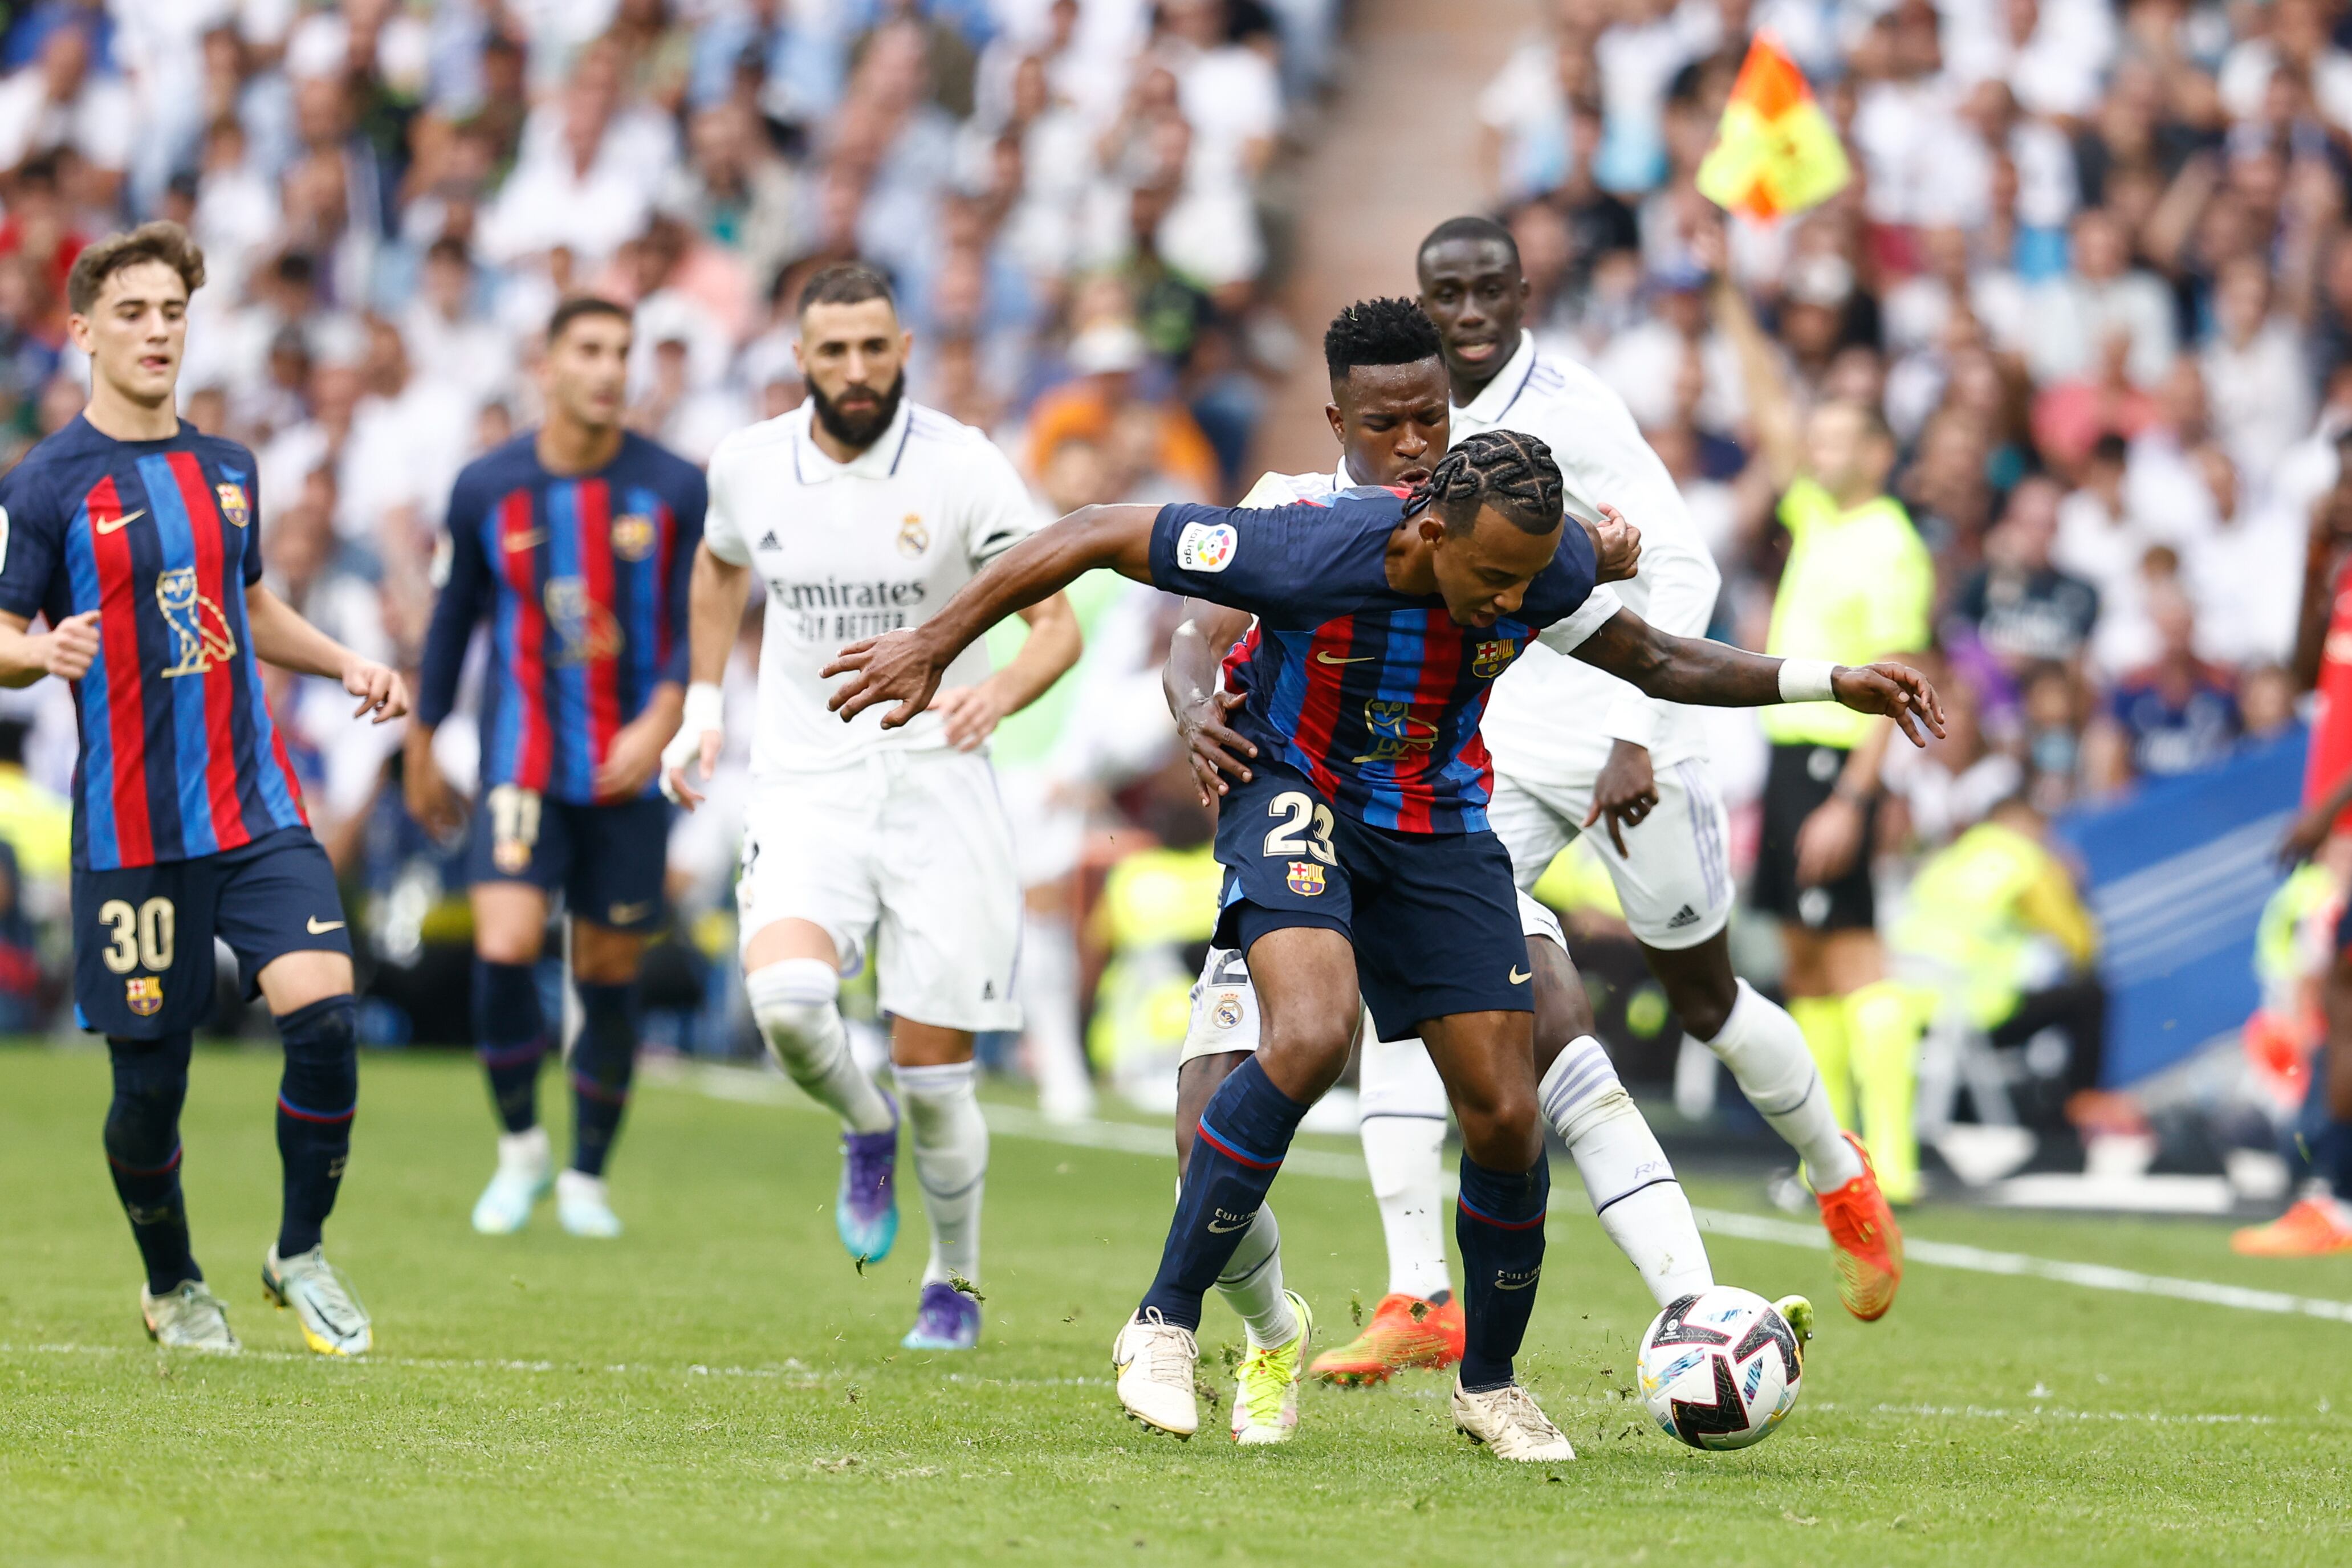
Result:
x=1800 y=779
x=608 y=860
x=1434 y=918
x=143 y=935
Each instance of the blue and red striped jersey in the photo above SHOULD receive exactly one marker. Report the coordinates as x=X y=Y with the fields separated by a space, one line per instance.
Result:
x=584 y=578
x=179 y=758
x=1373 y=694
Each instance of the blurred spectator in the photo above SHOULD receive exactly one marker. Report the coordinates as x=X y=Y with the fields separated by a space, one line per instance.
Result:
x=2022 y=609
x=2177 y=714
x=1104 y=405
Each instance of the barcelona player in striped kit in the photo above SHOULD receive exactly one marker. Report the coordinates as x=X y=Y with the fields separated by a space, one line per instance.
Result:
x=132 y=532
x=574 y=541
x=1359 y=853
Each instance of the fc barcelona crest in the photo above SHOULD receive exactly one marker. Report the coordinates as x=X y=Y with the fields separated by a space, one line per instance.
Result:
x=633 y=536
x=1305 y=878
x=144 y=993
x=233 y=504
x=1491 y=659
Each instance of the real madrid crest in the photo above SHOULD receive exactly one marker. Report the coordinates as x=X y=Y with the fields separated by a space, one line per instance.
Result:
x=913 y=537
x=233 y=504
x=633 y=536
x=1228 y=1011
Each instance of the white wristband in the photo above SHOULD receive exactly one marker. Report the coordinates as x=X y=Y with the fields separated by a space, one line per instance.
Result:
x=1802 y=681
x=706 y=709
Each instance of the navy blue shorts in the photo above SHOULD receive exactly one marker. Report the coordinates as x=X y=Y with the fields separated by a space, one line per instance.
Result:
x=608 y=861
x=1434 y=918
x=143 y=935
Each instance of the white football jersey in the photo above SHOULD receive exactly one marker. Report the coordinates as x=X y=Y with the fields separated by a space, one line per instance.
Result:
x=1552 y=716
x=854 y=550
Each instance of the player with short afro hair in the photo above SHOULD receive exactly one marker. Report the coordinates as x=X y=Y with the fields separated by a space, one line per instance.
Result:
x=1379 y=331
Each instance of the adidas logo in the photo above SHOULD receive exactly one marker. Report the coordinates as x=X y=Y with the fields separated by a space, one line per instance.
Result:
x=1683 y=916
x=767 y=540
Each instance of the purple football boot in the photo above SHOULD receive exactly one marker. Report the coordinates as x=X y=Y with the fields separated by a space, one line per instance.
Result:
x=866 y=1210
x=947 y=1319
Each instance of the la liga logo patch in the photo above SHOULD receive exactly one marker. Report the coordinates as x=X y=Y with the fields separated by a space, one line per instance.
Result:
x=1206 y=546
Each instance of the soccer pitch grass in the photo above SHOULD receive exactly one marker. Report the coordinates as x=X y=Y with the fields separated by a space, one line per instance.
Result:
x=722 y=1386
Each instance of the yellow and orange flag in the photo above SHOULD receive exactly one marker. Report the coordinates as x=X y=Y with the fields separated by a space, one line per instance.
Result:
x=1776 y=153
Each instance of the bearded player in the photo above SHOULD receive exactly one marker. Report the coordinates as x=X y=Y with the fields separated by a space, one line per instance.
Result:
x=1357 y=855
x=132 y=531
x=574 y=540
x=858 y=513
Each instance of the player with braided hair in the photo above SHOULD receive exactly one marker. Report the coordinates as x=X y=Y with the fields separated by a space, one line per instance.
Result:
x=1358 y=853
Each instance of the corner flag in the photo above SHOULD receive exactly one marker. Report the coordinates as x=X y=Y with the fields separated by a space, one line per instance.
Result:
x=1776 y=153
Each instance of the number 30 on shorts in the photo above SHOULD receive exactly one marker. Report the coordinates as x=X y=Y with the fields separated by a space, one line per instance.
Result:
x=1291 y=835
x=142 y=937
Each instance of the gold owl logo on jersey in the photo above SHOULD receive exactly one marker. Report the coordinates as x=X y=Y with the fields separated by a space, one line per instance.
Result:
x=144 y=994
x=1305 y=878
x=1394 y=731
x=233 y=504
x=1491 y=659
x=200 y=633
x=633 y=536
x=586 y=628
x=913 y=537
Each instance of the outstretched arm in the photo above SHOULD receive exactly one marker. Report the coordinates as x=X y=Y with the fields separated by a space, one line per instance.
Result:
x=1716 y=674
x=715 y=596
x=284 y=639
x=904 y=666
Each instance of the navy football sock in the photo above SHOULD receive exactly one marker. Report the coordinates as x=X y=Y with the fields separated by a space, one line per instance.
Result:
x=143 y=1152
x=1500 y=1223
x=510 y=1038
x=603 y=1060
x=2333 y=1158
x=316 y=1101
x=1244 y=1135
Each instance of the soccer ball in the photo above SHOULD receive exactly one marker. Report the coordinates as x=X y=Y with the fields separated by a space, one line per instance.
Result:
x=1719 y=1369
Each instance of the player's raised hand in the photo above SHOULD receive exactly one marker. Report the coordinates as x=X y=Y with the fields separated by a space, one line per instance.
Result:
x=72 y=644
x=1898 y=691
x=1213 y=748
x=1616 y=547
x=899 y=666
x=380 y=689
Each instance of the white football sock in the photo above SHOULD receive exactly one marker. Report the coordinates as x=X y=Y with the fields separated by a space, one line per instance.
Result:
x=1252 y=1284
x=950 y=1147
x=1047 y=987
x=1766 y=1052
x=1626 y=1175
x=796 y=1002
x=1404 y=1132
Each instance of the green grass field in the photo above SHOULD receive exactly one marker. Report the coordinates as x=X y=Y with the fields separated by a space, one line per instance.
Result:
x=722 y=1386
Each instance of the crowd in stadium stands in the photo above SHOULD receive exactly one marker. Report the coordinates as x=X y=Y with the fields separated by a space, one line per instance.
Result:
x=2094 y=267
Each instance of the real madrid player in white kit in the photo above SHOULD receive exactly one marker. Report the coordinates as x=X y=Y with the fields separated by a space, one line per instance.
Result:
x=861 y=513
x=1574 y=747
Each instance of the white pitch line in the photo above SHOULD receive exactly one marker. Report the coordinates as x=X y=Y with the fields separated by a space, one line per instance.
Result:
x=1131 y=1137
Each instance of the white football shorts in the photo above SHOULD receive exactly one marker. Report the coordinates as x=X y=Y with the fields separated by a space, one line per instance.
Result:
x=1225 y=1003
x=1674 y=877
x=905 y=856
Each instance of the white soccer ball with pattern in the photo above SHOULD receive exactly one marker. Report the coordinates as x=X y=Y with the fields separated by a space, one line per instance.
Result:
x=1719 y=1369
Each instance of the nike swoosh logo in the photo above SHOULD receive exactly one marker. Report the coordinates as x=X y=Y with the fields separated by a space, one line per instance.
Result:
x=116 y=524
x=1522 y=1285
x=530 y=540
x=1521 y=977
x=1322 y=658
x=629 y=914
x=1217 y=1229
x=320 y=928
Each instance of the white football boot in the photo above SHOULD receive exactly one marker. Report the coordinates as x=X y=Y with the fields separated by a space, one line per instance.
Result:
x=1509 y=1421
x=333 y=1322
x=583 y=1207
x=526 y=1169
x=1154 y=1361
x=188 y=1316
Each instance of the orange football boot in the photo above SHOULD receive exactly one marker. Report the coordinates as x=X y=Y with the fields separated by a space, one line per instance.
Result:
x=1864 y=1240
x=1405 y=1331
x=2313 y=1227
